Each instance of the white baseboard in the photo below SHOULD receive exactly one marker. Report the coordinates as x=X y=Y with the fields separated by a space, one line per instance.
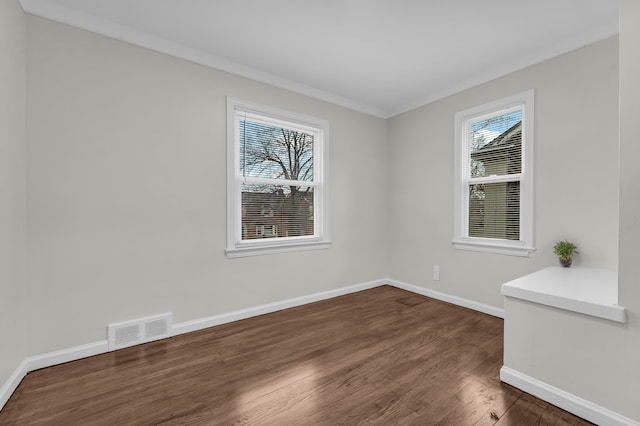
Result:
x=9 y=387
x=65 y=355
x=569 y=402
x=212 y=321
x=199 y=324
x=78 y=352
x=71 y=354
x=555 y=396
x=47 y=360
x=480 y=307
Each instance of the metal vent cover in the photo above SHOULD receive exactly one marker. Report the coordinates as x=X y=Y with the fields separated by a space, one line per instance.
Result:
x=128 y=333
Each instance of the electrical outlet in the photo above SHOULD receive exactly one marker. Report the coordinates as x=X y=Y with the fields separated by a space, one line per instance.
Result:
x=436 y=273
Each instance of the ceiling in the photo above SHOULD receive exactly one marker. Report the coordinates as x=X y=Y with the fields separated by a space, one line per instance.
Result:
x=381 y=57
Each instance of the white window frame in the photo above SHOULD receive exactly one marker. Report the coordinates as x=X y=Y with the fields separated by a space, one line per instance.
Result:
x=236 y=246
x=461 y=240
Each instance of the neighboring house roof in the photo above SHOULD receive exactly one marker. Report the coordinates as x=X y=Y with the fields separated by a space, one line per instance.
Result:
x=507 y=141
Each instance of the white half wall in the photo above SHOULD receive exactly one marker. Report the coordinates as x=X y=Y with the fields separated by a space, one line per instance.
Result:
x=12 y=187
x=579 y=354
x=569 y=402
x=591 y=358
x=624 y=354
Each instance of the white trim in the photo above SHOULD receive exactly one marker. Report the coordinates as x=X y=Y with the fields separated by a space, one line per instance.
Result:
x=74 y=18
x=65 y=355
x=48 y=359
x=487 y=246
x=545 y=392
x=78 y=352
x=461 y=240
x=513 y=64
x=10 y=386
x=236 y=247
x=588 y=291
x=212 y=321
x=466 y=303
x=569 y=402
x=291 y=247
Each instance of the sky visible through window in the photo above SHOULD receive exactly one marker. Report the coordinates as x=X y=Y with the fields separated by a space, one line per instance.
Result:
x=486 y=130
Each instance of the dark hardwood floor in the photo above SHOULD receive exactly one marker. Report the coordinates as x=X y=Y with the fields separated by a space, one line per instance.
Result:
x=382 y=356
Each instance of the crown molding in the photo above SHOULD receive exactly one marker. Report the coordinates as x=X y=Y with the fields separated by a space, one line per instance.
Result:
x=84 y=21
x=68 y=16
x=513 y=64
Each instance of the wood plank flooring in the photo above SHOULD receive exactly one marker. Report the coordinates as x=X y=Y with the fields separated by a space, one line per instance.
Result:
x=381 y=357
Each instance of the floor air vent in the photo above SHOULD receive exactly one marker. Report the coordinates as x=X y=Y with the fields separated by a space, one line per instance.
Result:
x=142 y=330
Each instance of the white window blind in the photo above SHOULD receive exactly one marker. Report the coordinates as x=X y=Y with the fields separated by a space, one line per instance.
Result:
x=276 y=164
x=495 y=166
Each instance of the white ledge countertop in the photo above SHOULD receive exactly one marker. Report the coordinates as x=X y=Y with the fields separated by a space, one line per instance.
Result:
x=587 y=291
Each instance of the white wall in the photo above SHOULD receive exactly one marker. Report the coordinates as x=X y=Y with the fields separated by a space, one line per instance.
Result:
x=126 y=203
x=126 y=178
x=576 y=180
x=594 y=359
x=625 y=352
x=12 y=187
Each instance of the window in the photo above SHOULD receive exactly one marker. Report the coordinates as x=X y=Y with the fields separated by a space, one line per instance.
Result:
x=276 y=181
x=267 y=211
x=494 y=177
x=266 y=231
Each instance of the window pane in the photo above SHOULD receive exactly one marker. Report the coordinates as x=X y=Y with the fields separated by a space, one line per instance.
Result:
x=270 y=211
x=496 y=145
x=494 y=210
x=275 y=152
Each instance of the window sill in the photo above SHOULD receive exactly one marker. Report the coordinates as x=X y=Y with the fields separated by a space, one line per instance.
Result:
x=257 y=250
x=587 y=291
x=493 y=247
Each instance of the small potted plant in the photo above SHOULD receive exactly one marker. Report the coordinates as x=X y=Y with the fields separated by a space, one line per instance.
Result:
x=564 y=250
